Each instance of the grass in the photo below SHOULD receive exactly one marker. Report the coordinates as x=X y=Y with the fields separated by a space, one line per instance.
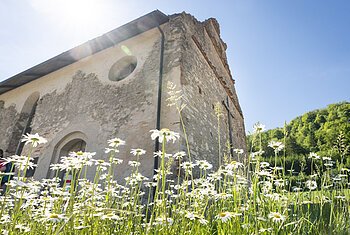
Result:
x=198 y=198
x=221 y=201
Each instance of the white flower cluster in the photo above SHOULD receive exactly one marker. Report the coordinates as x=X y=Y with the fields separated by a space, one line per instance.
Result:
x=182 y=197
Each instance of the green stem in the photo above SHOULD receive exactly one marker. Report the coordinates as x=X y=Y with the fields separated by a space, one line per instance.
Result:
x=163 y=174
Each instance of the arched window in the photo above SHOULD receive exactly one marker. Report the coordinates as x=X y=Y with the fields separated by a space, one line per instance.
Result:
x=74 y=145
x=72 y=142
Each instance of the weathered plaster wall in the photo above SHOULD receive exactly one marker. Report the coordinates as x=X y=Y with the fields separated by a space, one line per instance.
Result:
x=80 y=98
x=101 y=109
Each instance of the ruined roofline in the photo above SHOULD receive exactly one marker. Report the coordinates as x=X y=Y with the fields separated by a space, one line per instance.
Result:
x=206 y=24
x=122 y=33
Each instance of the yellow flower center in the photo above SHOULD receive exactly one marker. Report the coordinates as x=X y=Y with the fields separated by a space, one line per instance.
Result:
x=54 y=216
x=222 y=214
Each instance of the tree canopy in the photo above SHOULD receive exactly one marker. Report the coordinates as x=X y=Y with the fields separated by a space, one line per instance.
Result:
x=322 y=131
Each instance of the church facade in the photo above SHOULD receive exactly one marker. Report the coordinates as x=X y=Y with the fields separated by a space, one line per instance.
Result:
x=117 y=85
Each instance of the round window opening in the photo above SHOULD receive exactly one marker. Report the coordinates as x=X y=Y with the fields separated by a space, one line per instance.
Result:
x=122 y=68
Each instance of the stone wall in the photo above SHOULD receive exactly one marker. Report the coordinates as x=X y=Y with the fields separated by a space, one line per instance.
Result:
x=206 y=83
x=8 y=119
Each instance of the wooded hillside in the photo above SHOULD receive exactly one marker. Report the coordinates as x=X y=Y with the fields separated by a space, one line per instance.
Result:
x=323 y=131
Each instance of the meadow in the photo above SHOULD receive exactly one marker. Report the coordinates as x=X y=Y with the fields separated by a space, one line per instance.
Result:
x=244 y=194
x=248 y=197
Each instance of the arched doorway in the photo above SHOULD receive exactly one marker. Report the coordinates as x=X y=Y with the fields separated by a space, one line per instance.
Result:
x=73 y=142
x=74 y=145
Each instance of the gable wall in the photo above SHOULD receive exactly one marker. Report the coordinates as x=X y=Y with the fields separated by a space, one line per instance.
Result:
x=80 y=98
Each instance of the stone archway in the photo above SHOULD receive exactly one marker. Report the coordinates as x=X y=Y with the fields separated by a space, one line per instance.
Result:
x=74 y=145
x=72 y=142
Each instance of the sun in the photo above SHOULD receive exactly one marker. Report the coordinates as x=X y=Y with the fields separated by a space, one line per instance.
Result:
x=72 y=13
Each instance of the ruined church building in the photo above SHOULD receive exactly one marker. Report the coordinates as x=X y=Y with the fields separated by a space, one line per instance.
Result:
x=116 y=86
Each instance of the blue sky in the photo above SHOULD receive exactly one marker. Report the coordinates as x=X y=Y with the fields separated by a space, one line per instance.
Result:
x=287 y=57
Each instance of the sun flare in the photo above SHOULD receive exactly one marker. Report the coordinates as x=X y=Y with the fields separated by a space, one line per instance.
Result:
x=72 y=13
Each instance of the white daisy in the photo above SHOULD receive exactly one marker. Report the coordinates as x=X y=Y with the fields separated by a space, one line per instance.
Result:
x=187 y=165
x=164 y=133
x=160 y=154
x=264 y=164
x=137 y=152
x=179 y=155
x=134 y=163
x=258 y=127
x=277 y=217
x=162 y=220
x=224 y=216
x=311 y=184
x=277 y=146
x=53 y=217
x=117 y=161
x=115 y=142
x=314 y=156
x=190 y=216
x=233 y=165
x=203 y=164
x=238 y=151
x=35 y=139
